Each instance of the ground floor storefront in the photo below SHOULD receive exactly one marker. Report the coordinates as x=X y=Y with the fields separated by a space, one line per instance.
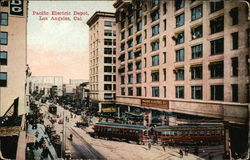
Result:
x=103 y=108
x=157 y=112
x=12 y=137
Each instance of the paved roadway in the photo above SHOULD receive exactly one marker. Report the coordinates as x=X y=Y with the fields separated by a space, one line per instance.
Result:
x=78 y=147
x=82 y=148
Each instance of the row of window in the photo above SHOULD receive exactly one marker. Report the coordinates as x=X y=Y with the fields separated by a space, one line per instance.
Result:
x=216 y=71
x=109 y=60
x=216 y=24
x=109 y=32
x=3 y=54
x=108 y=42
x=217 y=45
x=214 y=6
x=216 y=92
x=3 y=38
x=3 y=79
x=109 y=23
x=108 y=87
x=108 y=78
x=109 y=69
x=4 y=19
x=191 y=133
x=196 y=13
x=3 y=58
x=109 y=50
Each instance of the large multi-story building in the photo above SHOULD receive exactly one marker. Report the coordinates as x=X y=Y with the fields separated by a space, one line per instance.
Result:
x=13 y=60
x=182 y=59
x=102 y=56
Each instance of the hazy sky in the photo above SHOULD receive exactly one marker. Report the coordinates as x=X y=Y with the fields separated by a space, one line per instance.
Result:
x=60 y=48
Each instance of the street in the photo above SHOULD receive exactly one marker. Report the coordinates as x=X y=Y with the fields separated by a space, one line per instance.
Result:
x=78 y=146
x=86 y=147
x=81 y=148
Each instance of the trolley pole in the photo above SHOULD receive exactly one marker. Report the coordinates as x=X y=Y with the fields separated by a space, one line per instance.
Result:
x=63 y=137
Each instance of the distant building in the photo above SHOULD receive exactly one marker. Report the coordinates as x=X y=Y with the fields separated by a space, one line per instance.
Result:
x=82 y=93
x=77 y=81
x=102 y=60
x=47 y=85
x=69 y=89
x=13 y=60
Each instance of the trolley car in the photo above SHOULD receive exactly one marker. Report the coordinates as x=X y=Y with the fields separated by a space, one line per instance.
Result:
x=53 y=108
x=187 y=134
x=109 y=130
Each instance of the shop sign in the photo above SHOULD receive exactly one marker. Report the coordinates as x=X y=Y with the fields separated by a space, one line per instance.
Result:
x=155 y=103
x=109 y=109
x=16 y=7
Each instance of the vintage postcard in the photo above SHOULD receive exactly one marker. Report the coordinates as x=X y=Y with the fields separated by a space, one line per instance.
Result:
x=124 y=79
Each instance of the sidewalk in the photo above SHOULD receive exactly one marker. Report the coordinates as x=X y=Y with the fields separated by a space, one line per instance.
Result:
x=37 y=153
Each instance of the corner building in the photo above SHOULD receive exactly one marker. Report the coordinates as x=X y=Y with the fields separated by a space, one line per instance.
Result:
x=102 y=58
x=13 y=73
x=182 y=61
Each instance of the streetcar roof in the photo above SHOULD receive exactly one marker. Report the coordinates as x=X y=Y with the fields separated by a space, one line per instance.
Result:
x=184 y=127
x=52 y=105
x=118 y=125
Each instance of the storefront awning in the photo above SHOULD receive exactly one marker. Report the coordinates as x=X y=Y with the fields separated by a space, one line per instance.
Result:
x=10 y=131
x=134 y=114
x=110 y=109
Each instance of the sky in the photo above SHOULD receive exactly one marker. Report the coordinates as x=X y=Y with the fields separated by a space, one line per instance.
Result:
x=60 y=48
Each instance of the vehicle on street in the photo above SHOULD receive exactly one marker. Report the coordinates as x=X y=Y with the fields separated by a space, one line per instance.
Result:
x=137 y=133
x=189 y=134
x=60 y=121
x=183 y=134
x=53 y=108
x=81 y=124
x=67 y=154
x=43 y=100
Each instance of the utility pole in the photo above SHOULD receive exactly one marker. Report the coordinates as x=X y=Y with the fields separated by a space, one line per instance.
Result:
x=63 y=147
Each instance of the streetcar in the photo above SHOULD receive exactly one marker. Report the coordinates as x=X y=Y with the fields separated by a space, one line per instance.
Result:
x=52 y=108
x=127 y=132
x=189 y=134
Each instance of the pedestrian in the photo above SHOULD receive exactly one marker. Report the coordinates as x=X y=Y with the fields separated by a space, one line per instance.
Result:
x=36 y=134
x=36 y=145
x=164 y=147
x=186 y=151
x=209 y=156
x=149 y=146
x=196 y=151
x=181 y=153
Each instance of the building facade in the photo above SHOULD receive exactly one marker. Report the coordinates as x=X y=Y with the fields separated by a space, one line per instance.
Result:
x=47 y=86
x=77 y=81
x=13 y=60
x=102 y=57
x=182 y=60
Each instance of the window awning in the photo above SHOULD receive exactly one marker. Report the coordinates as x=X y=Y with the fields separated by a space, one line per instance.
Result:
x=137 y=49
x=121 y=56
x=10 y=131
x=121 y=66
x=154 y=71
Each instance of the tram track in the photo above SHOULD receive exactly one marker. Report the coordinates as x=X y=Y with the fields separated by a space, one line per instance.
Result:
x=88 y=151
